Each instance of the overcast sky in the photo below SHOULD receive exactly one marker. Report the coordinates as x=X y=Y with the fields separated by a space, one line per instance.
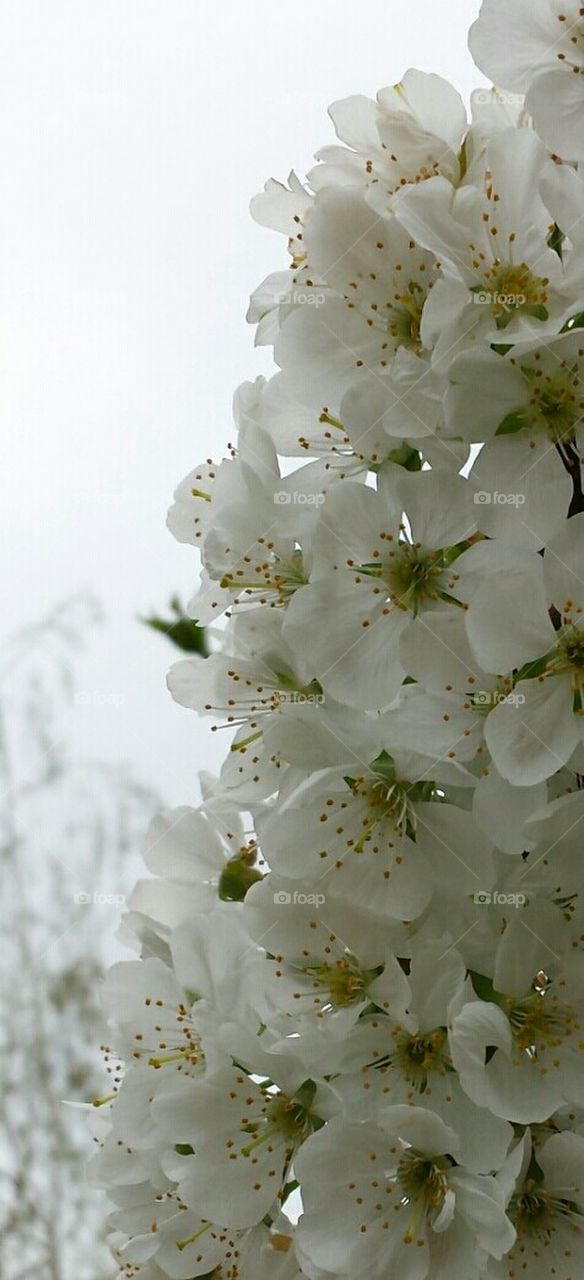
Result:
x=133 y=134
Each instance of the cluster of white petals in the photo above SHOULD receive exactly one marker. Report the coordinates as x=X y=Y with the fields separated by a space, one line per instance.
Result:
x=352 y=1046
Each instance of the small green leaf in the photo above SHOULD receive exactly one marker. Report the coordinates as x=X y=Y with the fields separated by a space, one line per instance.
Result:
x=181 y=630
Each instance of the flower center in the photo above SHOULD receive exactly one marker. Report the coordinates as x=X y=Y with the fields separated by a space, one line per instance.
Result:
x=344 y=981
x=424 y=1184
x=405 y=319
x=416 y=1057
x=274 y=579
x=412 y=576
x=573 y=649
x=388 y=799
x=283 y=1119
x=568 y=659
x=536 y=1214
x=540 y=1021
x=513 y=289
x=411 y=573
x=556 y=404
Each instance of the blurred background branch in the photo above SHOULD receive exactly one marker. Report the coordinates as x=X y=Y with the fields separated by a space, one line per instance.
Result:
x=69 y=831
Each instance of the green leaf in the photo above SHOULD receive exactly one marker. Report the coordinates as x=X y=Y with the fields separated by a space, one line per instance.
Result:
x=531 y=670
x=306 y=1094
x=181 y=630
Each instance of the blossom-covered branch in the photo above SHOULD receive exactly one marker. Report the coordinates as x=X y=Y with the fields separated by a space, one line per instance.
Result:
x=354 y=1038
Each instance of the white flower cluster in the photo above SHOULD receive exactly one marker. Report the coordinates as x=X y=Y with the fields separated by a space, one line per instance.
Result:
x=360 y=994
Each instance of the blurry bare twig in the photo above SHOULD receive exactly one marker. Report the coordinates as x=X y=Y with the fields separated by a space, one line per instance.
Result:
x=67 y=828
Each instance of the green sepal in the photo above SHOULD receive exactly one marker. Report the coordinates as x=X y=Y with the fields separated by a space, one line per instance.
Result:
x=511 y=424
x=556 y=240
x=575 y=322
x=484 y=989
x=405 y=456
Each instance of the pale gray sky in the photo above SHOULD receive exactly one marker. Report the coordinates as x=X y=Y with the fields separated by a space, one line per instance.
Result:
x=132 y=135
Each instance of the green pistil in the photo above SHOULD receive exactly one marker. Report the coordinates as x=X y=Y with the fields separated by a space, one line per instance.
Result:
x=246 y=742
x=329 y=421
x=165 y=1059
x=183 y=1244
x=406 y=316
